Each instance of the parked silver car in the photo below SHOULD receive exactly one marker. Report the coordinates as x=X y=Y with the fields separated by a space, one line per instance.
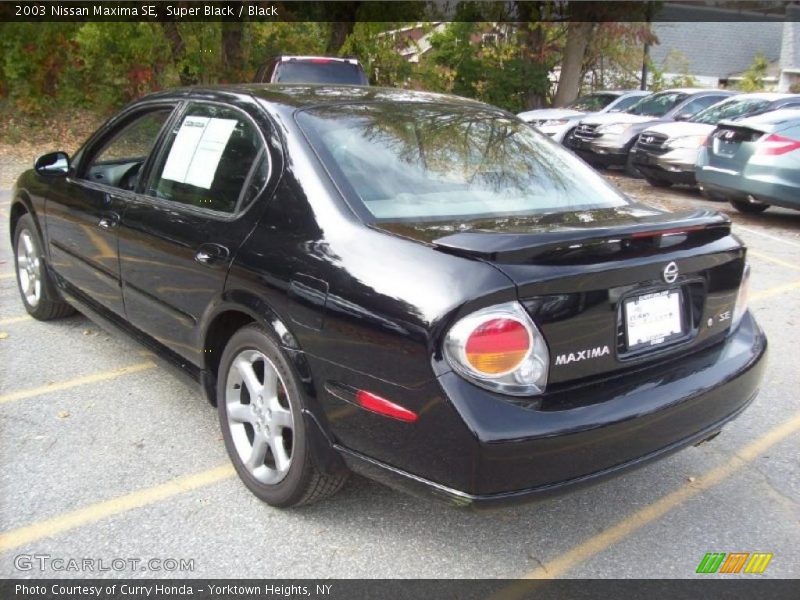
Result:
x=666 y=153
x=754 y=162
x=605 y=140
x=558 y=122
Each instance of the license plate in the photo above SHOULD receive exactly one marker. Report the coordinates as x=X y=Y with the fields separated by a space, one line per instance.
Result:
x=654 y=318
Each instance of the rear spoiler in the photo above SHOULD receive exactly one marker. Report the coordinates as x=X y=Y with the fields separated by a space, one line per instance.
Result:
x=515 y=247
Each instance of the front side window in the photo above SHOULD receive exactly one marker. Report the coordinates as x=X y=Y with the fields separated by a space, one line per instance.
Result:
x=207 y=158
x=428 y=162
x=118 y=161
x=657 y=105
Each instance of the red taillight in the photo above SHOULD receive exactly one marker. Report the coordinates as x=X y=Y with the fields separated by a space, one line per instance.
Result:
x=320 y=60
x=775 y=145
x=497 y=346
x=676 y=231
x=382 y=406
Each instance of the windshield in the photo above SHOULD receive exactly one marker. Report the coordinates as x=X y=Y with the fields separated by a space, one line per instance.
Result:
x=657 y=105
x=730 y=109
x=424 y=162
x=305 y=71
x=625 y=103
x=592 y=102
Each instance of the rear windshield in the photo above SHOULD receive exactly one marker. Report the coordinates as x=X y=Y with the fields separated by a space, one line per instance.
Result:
x=592 y=102
x=730 y=109
x=427 y=162
x=657 y=105
x=305 y=71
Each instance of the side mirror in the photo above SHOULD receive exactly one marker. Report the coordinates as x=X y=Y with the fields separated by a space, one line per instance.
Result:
x=685 y=116
x=53 y=163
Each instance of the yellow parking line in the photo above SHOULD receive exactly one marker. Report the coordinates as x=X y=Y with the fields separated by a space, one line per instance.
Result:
x=772 y=259
x=602 y=541
x=7 y=275
x=17 y=319
x=774 y=291
x=101 y=510
x=70 y=383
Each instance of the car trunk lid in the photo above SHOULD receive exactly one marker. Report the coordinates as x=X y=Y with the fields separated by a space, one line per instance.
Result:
x=610 y=289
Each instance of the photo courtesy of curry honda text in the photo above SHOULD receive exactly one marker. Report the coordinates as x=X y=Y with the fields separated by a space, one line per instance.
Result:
x=415 y=287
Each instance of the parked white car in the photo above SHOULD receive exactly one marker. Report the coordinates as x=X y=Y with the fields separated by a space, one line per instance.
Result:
x=557 y=122
x=666 y=154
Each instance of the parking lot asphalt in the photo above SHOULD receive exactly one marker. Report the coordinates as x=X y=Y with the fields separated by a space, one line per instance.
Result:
x=105 y=455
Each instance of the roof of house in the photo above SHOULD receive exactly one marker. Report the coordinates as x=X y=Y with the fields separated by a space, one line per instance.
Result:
x=717 y=49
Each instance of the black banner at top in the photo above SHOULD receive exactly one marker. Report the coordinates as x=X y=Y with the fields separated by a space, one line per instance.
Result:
x=399 y=10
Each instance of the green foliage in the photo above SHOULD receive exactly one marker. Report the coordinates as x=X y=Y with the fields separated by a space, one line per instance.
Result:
x=498 y=72
x=676 y=63
x=377 y=48
x=795 y=88
x=753 y=78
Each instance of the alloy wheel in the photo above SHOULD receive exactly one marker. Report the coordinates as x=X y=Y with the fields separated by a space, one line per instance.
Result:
x=29 y=269
x=259 y=416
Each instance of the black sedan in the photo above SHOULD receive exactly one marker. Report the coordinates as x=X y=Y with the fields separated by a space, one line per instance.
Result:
x=415 y=287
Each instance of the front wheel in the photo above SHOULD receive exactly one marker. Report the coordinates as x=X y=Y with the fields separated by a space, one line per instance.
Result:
x=38 y=291
x=659 y=183
x=749 y=208
x=260 y=413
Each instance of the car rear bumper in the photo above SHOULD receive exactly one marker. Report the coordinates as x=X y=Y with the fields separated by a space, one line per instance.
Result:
x=736 y=186
x=575 y=438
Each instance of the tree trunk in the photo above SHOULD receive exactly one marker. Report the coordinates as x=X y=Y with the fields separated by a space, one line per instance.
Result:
x=232 y=62
x=569 y=82
x=177 y=48
x=338 y=36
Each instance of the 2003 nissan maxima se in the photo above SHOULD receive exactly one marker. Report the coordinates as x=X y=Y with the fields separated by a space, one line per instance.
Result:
x=415 y=287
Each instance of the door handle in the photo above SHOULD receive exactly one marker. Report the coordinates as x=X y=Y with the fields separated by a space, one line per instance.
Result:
x=109 y=220
x=209 y=254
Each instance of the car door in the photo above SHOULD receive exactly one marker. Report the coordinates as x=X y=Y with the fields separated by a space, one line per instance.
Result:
x=180 y=233
x=83 y=214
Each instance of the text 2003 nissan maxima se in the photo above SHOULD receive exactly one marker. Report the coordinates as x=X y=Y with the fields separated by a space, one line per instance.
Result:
x=415 y=287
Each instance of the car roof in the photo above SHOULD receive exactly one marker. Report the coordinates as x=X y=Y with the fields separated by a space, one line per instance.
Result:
x=299 y=58
x=298 y=95
x=693 y=91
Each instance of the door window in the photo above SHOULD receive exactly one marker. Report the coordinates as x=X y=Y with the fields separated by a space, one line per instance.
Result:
x=207 y=158
x=119 y=159
x=699 y=104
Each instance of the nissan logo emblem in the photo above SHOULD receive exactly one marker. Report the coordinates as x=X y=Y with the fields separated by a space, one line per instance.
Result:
x=671 y=272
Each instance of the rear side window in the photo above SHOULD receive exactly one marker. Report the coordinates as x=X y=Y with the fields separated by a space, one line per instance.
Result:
x=321 y=71
x=658 y=104
x=626 y=103
x=208 y=158
x=592 y=102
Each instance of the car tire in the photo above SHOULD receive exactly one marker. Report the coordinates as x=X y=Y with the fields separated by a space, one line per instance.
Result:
x=260 y=409
x=659 y=183
x=38 y=291
x=630 y=168
x=749 y=208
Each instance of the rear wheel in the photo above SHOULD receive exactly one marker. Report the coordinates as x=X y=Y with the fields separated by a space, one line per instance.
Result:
x=750 y=208
x=630 y=168
x=38 y=291
x=261 y=417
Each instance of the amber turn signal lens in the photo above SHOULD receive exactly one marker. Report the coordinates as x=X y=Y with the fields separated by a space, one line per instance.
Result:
x=497 y=346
